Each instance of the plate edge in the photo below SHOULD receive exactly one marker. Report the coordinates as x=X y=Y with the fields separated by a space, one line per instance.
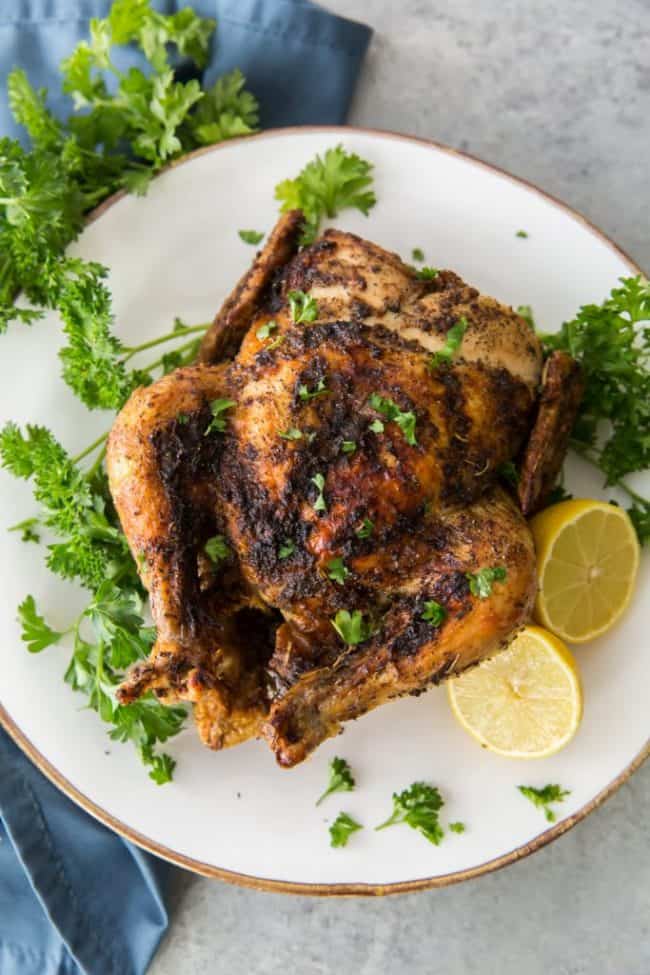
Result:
x=337 y=889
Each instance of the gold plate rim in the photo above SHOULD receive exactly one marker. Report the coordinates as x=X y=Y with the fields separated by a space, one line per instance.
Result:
x=342 y=889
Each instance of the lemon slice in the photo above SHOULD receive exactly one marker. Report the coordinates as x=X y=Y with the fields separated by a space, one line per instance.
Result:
x=524 y=703
x=587 y=561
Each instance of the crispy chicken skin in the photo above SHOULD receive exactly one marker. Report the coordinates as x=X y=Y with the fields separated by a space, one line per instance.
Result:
x=251 y=644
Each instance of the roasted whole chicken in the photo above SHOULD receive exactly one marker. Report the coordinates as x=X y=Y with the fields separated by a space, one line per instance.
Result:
x=310 y=502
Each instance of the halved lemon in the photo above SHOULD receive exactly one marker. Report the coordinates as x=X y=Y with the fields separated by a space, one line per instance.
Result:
x=524 y=703
x=587 y=561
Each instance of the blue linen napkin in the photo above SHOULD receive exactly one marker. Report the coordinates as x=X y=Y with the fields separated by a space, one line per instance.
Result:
x=75 y=897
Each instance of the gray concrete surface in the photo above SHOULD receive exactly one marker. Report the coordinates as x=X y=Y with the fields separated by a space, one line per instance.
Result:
x=557 y=92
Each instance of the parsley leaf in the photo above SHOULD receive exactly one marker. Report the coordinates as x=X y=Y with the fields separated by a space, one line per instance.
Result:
x=26 y=528
x=218 y=422
x=434 y=613
x=291 y=434
x=348 y=447
x=327 y=185
x=319 y=503
x=250 y=236
x=452 y=344
x=427 y=273
x=542 y=798
x=340 y=779
x=417 y=254
x=35 y=631
x=366 y=530
x=337 y=570
x=303 y=307
x=352 y=627
x=265 y=330
x=418 y=807
x=217 y=549
x=521 y=233
x=287 y=549
x=342 y=829
x=376 y=426
x=480 y=583
x=226 y=110
x=392 y=412
x=457 y=827
x=306 y=394
x=162 y=766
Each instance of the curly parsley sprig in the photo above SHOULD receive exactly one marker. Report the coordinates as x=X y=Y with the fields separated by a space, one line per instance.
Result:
x=108 y=636
x=612 y=430
x=119 y=136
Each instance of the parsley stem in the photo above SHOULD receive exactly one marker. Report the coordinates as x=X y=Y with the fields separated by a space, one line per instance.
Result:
x=132 y=350
x=159 y=361
x=89 y=450
x=98 y=462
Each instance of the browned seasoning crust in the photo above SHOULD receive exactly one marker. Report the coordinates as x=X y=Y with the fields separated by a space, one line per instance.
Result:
x=562 y=389
x=251 y=644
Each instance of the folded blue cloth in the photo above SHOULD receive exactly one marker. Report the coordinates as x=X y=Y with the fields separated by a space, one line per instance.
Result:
x=75 y=897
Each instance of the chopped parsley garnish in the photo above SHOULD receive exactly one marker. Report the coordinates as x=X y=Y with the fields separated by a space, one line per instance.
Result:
x=218 y=422
x=480 y=583
x=542 y=798
x=377 y=426
x=303 y=307
x=182 y=418
x=417 y=254
x=287 y=549
x=452 y=344
x=340 y=779
x=348 y=447
x=217 y=549
x=521 y=233
x=306 y=394
x=278 y=340
x=419 y=807
x=251 y=236
x=291 y=434
x=367 y=528
x=526 y=312
x=611 y=342
x=392 y=412
x=264 y=331
x=327 y=185
x=342 y=829
x=26 y=529
x=352 y=627
x=508 y=472
x=434 y=613
x=427 y=273
x=337 y=570
x=457 y=827
x=319 y=503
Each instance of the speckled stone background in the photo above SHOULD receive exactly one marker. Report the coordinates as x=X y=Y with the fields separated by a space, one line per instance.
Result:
x=558 y=92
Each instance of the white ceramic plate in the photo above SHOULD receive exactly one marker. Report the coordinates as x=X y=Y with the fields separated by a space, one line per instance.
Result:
x=234 y=814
